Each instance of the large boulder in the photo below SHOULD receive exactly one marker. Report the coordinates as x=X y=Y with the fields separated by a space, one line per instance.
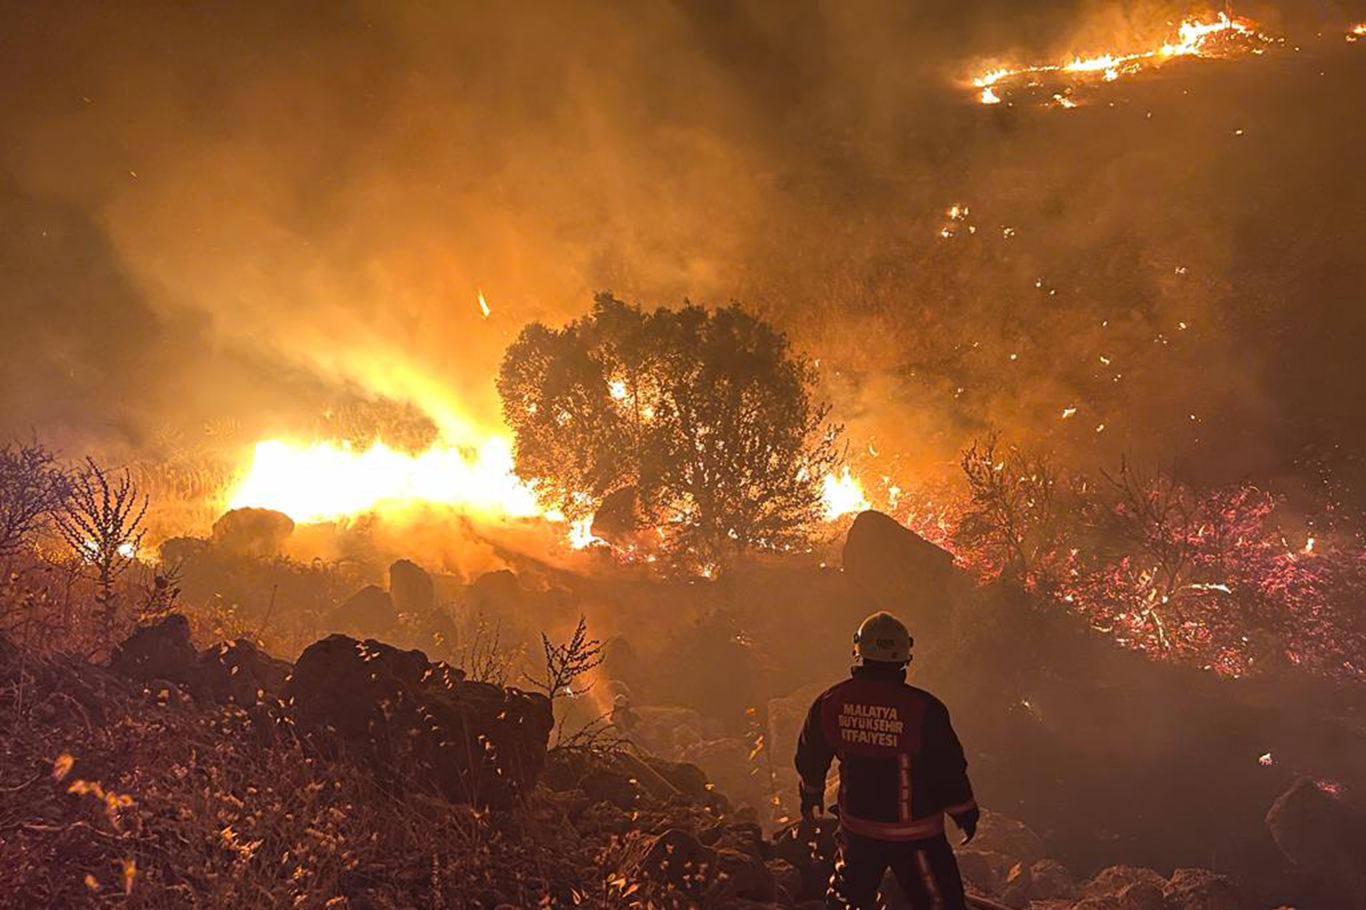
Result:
x=411 y=588
x=675 y=864
x=1321 y=834
x=238 y=672
x=898 y=569
x=1012 y=839
x=161 y=650
x=370 y=611
x=420 y=723
x=252 y=532
x=1201 y=889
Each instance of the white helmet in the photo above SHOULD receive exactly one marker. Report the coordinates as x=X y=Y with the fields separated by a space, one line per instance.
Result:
x=883 y=637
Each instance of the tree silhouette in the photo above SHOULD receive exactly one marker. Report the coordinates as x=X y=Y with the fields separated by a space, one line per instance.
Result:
x=101 y=520
x=707 y=418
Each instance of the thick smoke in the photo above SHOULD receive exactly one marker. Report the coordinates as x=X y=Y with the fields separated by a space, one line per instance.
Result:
x=238 y=215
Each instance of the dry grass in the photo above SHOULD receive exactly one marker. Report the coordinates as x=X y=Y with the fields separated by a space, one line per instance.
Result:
x=146 y=800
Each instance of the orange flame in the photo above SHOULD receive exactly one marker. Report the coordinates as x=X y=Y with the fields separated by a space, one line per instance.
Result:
x=1193 y=39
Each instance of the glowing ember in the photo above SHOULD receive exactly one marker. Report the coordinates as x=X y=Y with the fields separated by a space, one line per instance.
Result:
x=1356 y=31
x=483 y=305
x=842 y=495
x=1194 y=38
x=325 y=480
x=1331 y=787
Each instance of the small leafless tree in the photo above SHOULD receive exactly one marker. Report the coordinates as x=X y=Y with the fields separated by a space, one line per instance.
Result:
x=483 y=657
x=101 y=521
x=1157 y=517
x=565 y=663
x=1015 y=511
x=31 y=490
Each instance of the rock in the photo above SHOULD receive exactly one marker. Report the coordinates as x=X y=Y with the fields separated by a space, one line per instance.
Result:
x=411 y=589
x=1111 y=881
x=676 y=860
x=740 y=875
x=499 y=592
x=612 y=786
x=665 y=730
x=1050 y=880
x=238 y=672
x=1142 y=895
x=252 y=532
x=999 y=834
x=728 y=764
x=897 y=567
x=810 y=852
x=161 y=650
x=983 y=869
x=401 y=715
x=1201 y=889
x=785 y=876
x=370 y=611
x=1320 y=834
x=1015 y=891
x=786 y=716
x=603 y=818
x=180 y=550
x=1097 y=903
x=682 y=779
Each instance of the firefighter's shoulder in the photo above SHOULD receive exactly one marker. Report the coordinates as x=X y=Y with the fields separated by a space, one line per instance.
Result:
x=932 y=702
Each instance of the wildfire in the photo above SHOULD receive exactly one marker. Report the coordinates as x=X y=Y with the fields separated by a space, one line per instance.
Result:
x=1356 y=32
x=324 y=481
x=330 y=481
x=1224 y=36
x=842 y=495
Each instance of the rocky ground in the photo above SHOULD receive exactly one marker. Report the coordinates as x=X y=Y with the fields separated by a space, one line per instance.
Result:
x=365 y=776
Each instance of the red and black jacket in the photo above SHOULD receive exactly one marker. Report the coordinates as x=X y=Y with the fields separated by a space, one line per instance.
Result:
x=901 y=765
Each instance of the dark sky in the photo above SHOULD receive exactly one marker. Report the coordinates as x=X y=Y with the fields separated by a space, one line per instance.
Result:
x=244 y=212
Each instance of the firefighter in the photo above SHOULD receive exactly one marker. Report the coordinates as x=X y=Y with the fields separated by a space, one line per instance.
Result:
x=901 y=771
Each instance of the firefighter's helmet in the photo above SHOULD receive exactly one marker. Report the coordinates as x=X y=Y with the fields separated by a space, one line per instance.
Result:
x=883 y=637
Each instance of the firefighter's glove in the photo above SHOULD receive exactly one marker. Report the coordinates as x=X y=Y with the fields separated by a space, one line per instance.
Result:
x=811 y=803
x=967 y=823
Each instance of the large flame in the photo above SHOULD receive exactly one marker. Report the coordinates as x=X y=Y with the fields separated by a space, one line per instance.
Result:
x=1193 y=38
x=323 y=481
x=841 y=495
x=327 y=481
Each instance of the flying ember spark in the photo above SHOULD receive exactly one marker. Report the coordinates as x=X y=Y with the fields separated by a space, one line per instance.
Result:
x=483 y=305
x=1221 y=38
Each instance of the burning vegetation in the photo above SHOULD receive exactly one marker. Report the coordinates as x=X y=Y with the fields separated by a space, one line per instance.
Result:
x=360 y=551
x=1220 y=38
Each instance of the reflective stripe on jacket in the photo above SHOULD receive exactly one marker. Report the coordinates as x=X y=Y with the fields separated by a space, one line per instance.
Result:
x=901 y=765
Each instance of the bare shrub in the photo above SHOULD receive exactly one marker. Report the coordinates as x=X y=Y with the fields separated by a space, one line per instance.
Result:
x=565 y=664
x=31 y=490
x=1014 y=519
x=101 y=521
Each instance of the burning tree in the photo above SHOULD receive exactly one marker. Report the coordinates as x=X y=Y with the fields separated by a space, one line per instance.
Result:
x=101 y=520
x=1014 y=518
x=706 y=419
